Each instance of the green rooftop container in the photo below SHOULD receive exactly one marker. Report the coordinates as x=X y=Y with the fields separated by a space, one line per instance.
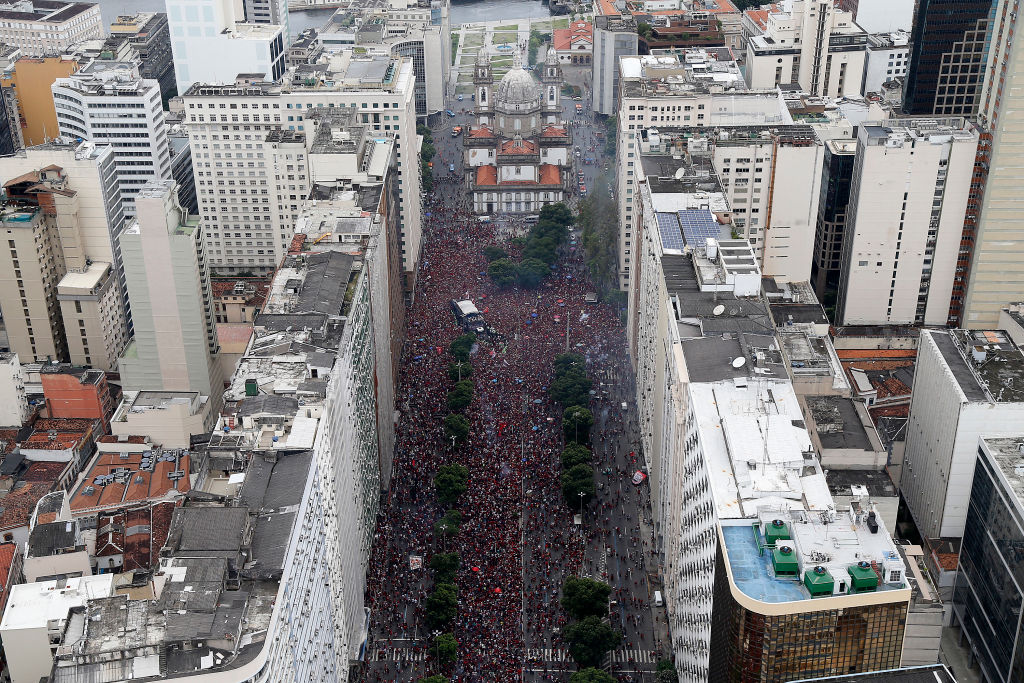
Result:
x=819 y=582
x=784 y=560
x=776 y=531
x=862 y=577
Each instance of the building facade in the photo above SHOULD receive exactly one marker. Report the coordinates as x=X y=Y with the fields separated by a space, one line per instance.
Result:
x=887 y=59
x=109 y=103
x=908 y=197
x=26 y=88
x=149 y=35
x=614 y=36
x=13 y=404
x=49 y=27
x=833 y=208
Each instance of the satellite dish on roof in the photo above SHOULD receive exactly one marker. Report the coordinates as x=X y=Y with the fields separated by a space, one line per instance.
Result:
x=680 y=172
x=739 y=362
x=719 y=309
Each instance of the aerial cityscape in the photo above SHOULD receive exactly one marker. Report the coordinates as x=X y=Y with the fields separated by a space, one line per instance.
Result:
x=497 y=341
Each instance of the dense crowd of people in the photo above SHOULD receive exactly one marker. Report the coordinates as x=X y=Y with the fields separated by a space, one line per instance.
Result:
x=517 y=539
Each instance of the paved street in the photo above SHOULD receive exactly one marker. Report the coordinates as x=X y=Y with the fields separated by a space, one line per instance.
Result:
x=519 y=539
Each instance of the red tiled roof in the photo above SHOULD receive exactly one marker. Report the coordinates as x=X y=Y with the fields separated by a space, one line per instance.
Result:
x=38 y=480
x=948 y=561
x=9 y=437
x=160 y=528
x=890 y=411
x=113 y=438
x=760 y=17
x=44 y=441
x=142 y=485
x=481 y=132
x=44 y=472
x=564 y=38
x=849 y=354
x=550 y=175
x=554 y=132
x=225 y=286
x=297 y=242
x=518 y=147
x=7 y=552
x=486 y=175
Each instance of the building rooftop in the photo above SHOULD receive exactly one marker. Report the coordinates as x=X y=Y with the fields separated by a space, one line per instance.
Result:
x=252 y=290
x=837 y=424
x=668 y=72
x=1008 y=454
x=49 y=11
x=987 y=365
x=934 y=673
x=143 y=473
x=873 y=483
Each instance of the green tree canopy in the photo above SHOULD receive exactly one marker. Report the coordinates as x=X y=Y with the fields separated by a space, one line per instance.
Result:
x=504 y=272
x=590 y=639
x=575 y=454
x=450 y=482
x=531 y=272
x=592 y=675
x=583 y=597
x=566 y=361
x=576 y=480
x=461 y=347
x=446 y=648
x=494 y=253
x=445 y=565
x=667 y=672
x=458 y=426
x=542 y=248
x=460 y=396
x=434 y=679
x=459 y=371
x=571 y=388
x=441 y=605
x=557 y=213
x=576 y=424
x=449 y=523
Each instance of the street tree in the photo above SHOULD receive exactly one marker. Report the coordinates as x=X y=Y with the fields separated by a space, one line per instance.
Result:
x=445 y=565
x=450 y=482
x=576 y=424
x=446 y=648
x=434 y=679
x=571 y=388
x=583 y=597
x=494 y=253
x=666 y=672
x=578 y=480
x=449 y=523
x=590 y=639
x=457 y=427
x=459 y=371
x=461 y=347
x=531 y=272
x=600 y=237
x=557 y=213
x=504 y=272
x=460 y=396
x=441 y=605
x=592 y=675
x=542 y=248
x=565 y=361
x=575 y=454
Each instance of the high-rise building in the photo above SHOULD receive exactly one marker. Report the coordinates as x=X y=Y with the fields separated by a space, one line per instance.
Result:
x=949 y=48
x=26 y=88
x=108 y=103
x=149 y=35
x=880 y=16
x=966 y=385
x=614 y=37
x=908 y=196
x=992 y=243
x=887 y=58
x=252 y=229
x=13 y=404
x=814 y=45
x=49 y=27
x=211 y=43
x=833 y=207
x=986 y=590
x=268 y=12
x=175 y=343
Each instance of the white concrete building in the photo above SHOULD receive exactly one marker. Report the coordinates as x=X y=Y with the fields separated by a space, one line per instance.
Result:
x=13 y=405
x=908 y=196
x=967 y=384
x=49 y=27
x=614 y=37
x=107 y=102
x=168 y=418
x=211 y=44
x=883 y=16
x=668 y=91
x=244 y=230
x=887 y=59
x=811 y=43
x=175 y=343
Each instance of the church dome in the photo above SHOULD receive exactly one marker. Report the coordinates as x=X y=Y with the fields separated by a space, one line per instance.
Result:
x=517 y=90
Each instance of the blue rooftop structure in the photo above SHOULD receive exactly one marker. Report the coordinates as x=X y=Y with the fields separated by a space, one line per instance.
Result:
x=752 y=572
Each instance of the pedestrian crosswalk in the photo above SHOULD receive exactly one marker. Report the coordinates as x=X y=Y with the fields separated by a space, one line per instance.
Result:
x=618 y=656
x=399 y=654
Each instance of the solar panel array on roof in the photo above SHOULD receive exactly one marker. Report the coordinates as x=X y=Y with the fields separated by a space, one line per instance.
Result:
x=668 y=226
x=698 y=225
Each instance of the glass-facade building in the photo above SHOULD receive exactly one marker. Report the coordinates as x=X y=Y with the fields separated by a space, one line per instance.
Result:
x=987 y=597
x=947 y=60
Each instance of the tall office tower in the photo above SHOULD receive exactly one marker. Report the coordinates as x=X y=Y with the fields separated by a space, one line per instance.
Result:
x=245 y=231
x=77 y=276
x=268 y=12
x=26 y=89
x=987 y=588
x=149 y=35
x=175 y=342
x=614 y=37
x=993 y=244
x=813 y=44
x=51 y=26
x=947 y=57
x=833 y=208
x=212 y=44
x=967 y=384
x=108 y=103
x=908 y=196
x=672 y=91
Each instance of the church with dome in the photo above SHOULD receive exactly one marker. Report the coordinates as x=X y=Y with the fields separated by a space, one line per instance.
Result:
x=517 y=155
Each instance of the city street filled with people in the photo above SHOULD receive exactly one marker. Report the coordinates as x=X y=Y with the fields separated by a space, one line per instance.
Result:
x=519 y=539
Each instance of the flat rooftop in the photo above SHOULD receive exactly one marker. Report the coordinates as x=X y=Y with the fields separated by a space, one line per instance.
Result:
x=837 y=423
x=1008 y=453
x=987 y=365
